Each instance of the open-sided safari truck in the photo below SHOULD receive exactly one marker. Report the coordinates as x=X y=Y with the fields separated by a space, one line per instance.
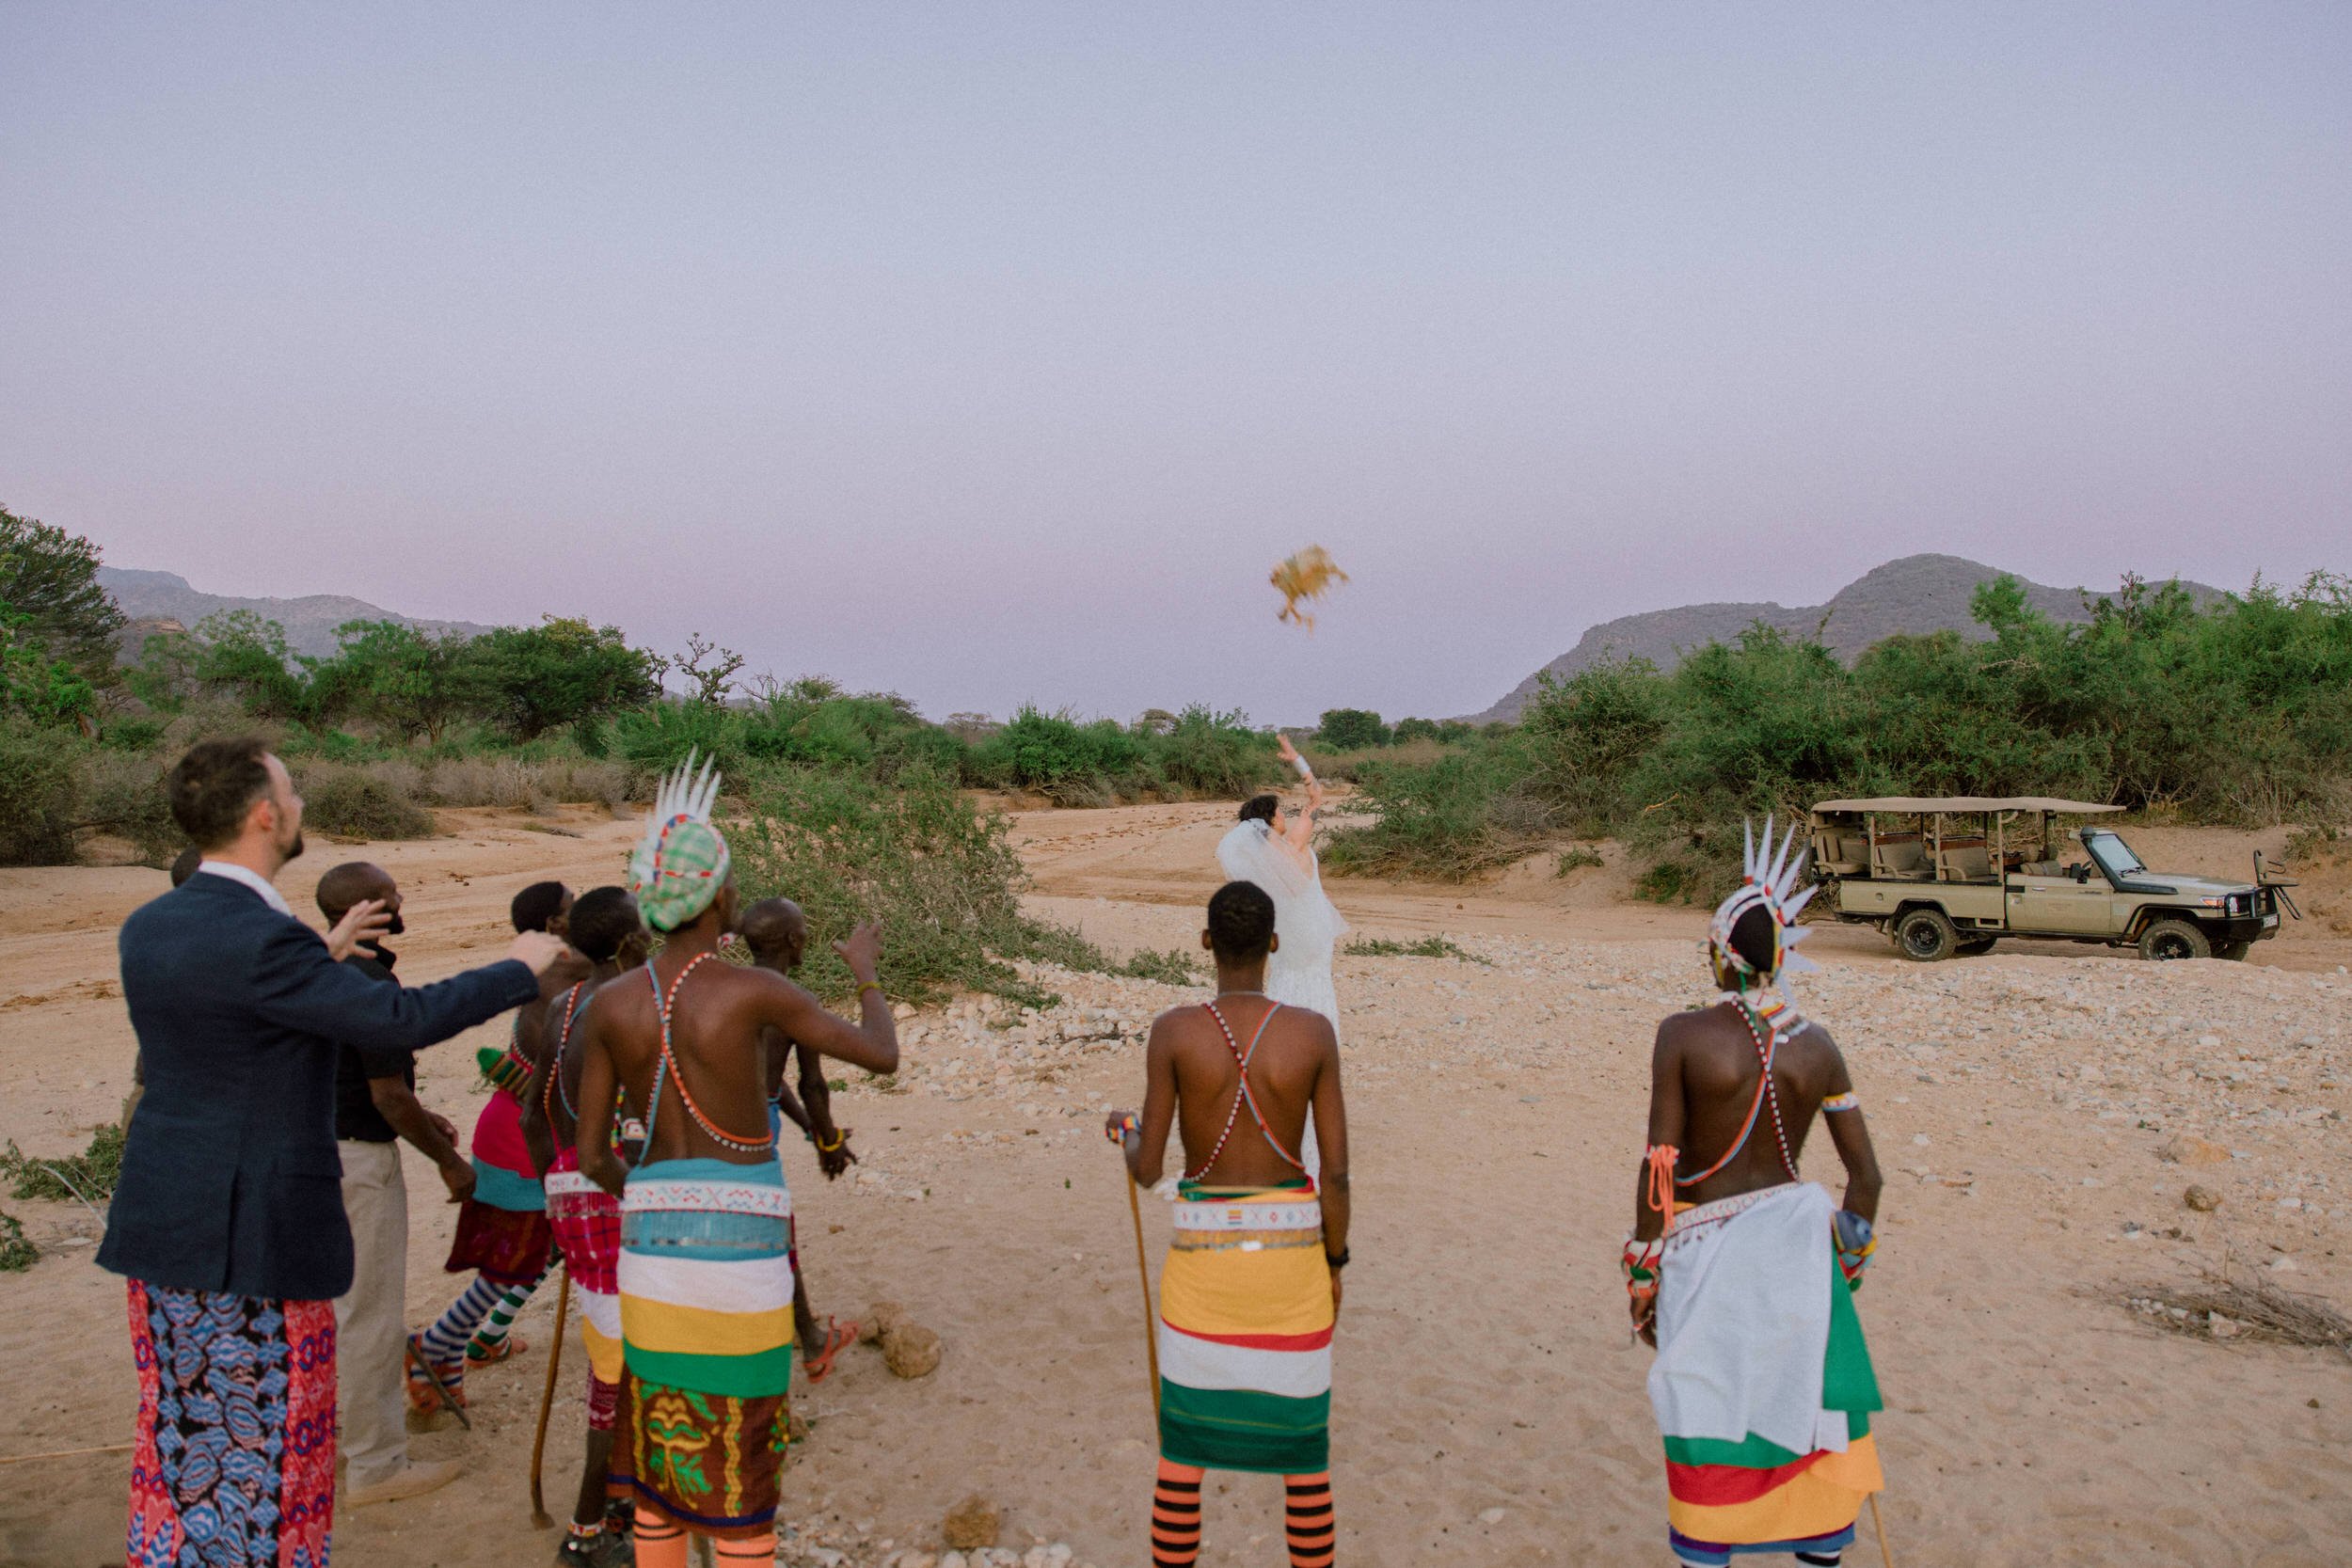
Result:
x=1958 y=873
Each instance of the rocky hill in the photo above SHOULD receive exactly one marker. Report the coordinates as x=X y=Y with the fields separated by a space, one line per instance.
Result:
x=1918 y=593
x=157 y=597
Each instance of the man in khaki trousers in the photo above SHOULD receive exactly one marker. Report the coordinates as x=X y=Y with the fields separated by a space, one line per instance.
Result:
x=376 y=1105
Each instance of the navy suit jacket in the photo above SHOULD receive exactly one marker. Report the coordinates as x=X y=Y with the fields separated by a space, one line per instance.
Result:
x=230 y=1181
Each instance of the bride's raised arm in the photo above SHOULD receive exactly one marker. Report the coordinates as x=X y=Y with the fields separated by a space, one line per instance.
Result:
x=1301 y=828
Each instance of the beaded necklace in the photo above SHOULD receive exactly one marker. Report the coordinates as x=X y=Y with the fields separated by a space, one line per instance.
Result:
x=554 y=1088
x=668 y=1066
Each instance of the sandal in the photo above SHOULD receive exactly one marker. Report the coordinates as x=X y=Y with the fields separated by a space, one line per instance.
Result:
x=838 y=1337
x=479 y=1354
x=431 y=1389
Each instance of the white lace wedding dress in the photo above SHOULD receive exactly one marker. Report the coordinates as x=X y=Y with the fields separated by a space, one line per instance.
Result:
x=1299 y=972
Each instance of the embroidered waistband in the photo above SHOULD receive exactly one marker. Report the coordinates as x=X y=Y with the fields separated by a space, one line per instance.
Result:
x=571 y=1183
x=707 y=1197
x=1724 y=1208
x=1286 y=1215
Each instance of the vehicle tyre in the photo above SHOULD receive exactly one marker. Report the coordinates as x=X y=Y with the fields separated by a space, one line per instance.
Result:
x=2174 y=938
x=2236 y=951
x=1974 y=945
x=1925 y=936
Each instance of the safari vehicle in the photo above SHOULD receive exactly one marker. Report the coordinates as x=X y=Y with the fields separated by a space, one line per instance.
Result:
x=1957 y=873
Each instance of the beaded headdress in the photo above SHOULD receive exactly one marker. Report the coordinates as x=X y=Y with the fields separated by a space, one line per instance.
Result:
x=1769 y=882
x=681 y=863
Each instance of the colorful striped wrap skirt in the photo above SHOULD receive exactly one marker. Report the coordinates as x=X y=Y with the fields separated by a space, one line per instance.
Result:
x=234 y=1465
x=587 y=1224
x=1727 y=1498
x=706 y=1286
x=1244 y=1332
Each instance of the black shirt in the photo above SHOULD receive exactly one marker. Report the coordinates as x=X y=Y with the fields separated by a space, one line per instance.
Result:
x=355 y=1116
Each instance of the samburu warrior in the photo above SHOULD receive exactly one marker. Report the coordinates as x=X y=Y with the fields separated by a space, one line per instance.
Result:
x=704 y=1269
x=1742 y=1274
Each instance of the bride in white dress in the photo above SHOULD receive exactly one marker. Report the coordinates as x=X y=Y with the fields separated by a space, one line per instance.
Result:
x=1280 y=857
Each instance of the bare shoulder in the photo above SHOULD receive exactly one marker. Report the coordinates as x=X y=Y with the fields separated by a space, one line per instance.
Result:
x=1312 y=1028
x=1814 y=1037
x=1678 y=1030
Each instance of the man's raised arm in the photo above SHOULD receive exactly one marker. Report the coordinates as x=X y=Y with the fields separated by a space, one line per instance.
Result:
x=298 y=985
x=872 y=1042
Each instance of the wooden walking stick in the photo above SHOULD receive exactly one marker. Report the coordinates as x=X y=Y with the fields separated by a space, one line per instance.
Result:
x=1143 y=1270
x=1880 y=1520
x=1143 y=1274
x=540 y=1518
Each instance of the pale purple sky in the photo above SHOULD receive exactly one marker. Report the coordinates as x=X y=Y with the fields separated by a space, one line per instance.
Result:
x=994 y=353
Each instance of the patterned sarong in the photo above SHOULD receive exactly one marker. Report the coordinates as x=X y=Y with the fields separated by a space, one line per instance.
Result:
x=706 y=1288
x=1246 y=1332
x=235 y=1461
x=1728 y=1497
x=586 y=1220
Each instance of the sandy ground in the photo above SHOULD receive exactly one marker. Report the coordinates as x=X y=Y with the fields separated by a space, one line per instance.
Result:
x=2019 y=1099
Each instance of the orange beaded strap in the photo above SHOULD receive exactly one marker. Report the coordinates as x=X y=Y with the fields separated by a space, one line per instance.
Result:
x=668 y=1067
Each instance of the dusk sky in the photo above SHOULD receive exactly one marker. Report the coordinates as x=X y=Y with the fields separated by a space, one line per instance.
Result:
x=994 y=353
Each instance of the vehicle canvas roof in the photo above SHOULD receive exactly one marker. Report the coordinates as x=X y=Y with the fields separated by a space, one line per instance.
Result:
x=1968 y=802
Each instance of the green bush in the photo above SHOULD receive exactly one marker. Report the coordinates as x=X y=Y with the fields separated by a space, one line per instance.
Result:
x=1175 y=967
x=1216 y=755
x=1069 y=763
x=122 y=794
x=39 y=794
x=350 y=802
x=1351 y=729
x=89 y=1176
x=16 y=1253
x=939 y=874
x=1445 y=820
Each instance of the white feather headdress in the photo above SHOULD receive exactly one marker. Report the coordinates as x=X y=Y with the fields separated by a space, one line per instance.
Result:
x=682 y=862
x=1770 y=883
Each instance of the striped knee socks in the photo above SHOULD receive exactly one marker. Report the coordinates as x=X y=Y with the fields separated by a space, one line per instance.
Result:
x=1176 y=1515
x=492 y=1333
x=659 y=1542
x=1309 y=1523
x=1309 y=1527
x=444 y=1343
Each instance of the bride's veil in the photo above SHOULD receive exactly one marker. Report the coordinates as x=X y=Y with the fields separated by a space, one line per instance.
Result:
x=1304 y=916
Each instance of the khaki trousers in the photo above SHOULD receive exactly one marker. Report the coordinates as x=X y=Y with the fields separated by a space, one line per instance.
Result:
x=371 y=1320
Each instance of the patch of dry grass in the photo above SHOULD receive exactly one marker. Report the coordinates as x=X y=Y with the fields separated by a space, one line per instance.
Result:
x=2235 y=1305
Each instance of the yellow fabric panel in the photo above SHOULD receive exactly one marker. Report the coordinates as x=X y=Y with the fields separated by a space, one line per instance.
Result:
x=1279 y=1290
x=661 y=1325
x=604 y=1355
x=1827 y=1497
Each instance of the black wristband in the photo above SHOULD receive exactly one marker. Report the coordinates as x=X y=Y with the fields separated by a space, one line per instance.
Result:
x=1340 y=1261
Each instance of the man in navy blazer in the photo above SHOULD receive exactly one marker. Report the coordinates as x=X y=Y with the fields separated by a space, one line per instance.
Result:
x=229 y=1216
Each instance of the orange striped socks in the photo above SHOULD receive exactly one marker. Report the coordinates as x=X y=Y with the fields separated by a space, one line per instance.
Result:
x=1176 y=1515
x=660 y=1543
x=745 y=1550
x=1310 y=1525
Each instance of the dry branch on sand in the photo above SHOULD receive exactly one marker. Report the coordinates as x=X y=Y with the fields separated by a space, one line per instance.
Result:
x=2230 y=1304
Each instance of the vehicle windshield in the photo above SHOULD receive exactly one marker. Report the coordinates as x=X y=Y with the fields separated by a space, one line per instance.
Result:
x=2114 y=856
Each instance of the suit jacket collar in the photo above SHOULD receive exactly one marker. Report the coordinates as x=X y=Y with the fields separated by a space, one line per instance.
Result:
x=249 y=878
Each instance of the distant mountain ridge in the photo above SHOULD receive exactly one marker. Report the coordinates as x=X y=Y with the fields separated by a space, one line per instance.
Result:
x=150 y=598
x=1915 y=595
